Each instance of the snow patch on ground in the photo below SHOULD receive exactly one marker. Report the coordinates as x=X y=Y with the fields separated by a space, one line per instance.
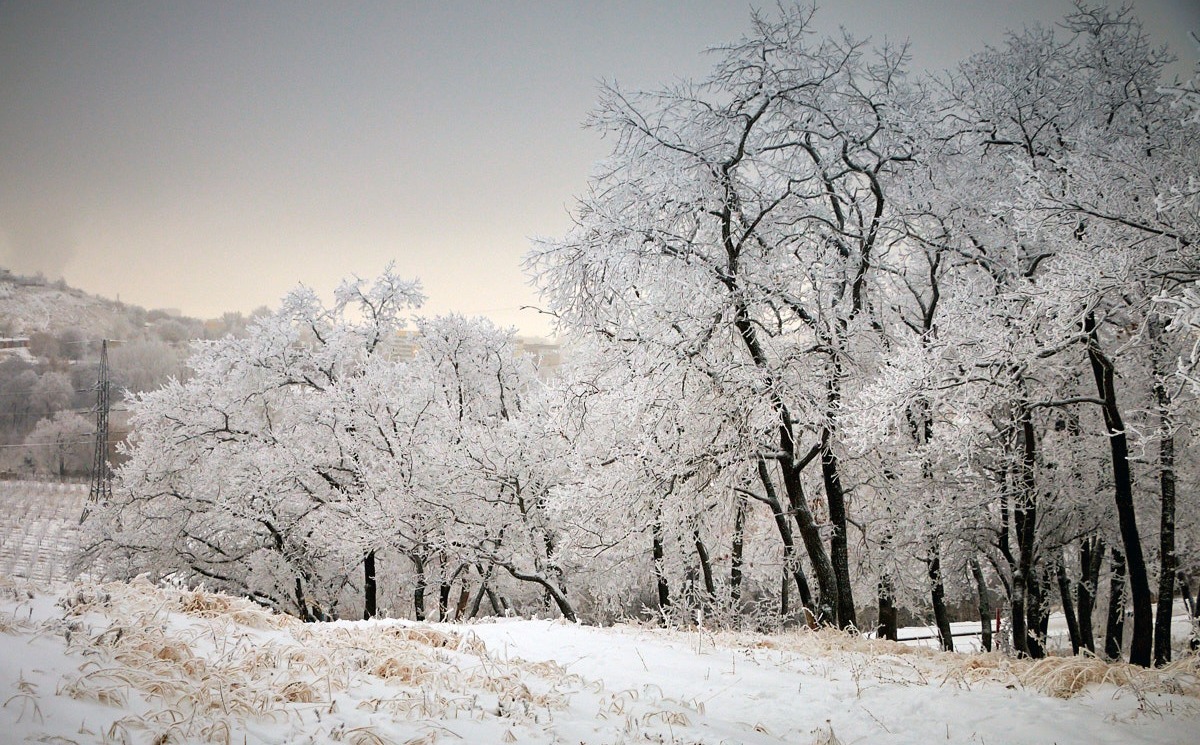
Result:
x=133 y=663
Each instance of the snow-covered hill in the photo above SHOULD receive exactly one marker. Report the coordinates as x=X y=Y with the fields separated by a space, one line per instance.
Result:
x=139 y=664
x=28 y=307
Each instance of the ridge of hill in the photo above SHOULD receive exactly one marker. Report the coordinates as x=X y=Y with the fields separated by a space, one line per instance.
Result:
x=30 y=305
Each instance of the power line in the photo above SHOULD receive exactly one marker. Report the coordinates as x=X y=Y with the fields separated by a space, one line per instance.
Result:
x=10 y=415
x=29 y=394
x=88 y=441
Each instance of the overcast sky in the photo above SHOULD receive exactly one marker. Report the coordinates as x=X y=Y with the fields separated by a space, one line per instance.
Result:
x=210 y=156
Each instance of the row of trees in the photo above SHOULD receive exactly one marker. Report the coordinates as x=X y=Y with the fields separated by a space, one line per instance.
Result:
x=954 y=299
x=841 y=340
x=293 y=460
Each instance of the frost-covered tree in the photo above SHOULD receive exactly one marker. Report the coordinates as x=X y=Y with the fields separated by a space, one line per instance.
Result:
x=1054 y=185
x=233 y=477
x=736 y=226
x=61 y=444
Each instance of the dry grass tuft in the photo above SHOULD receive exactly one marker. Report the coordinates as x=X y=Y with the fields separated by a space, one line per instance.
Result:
x=12 y=625
x=16 y=590
x=299 y=692
x=1064 y=677
x=402 y=671
x=875 y=661
x=821 y=642
x=825 y=736
x=198 y=667
x=258 y=618
x=205 y=604
x=200 y=604
x=365 y=736
x=428 y=637
x=84 y=600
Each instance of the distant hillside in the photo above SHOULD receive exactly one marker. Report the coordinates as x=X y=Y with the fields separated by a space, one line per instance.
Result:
x=49 y=361
x=30 y=305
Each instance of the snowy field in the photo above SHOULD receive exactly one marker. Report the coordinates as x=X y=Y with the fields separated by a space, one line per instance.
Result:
x=39 y=529
x=131 y=663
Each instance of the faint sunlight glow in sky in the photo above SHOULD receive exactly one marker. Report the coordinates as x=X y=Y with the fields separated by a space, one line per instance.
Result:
x=210 y=156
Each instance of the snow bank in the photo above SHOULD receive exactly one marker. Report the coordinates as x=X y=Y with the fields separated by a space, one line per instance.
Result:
x=133 y=663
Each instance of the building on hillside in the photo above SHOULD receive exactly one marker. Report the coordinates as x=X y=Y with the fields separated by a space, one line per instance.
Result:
x=16 y=346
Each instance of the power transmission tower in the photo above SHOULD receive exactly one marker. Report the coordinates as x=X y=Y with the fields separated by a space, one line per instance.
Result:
x=100 y=491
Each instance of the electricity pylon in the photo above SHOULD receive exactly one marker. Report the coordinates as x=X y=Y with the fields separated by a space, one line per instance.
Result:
x=100 y=491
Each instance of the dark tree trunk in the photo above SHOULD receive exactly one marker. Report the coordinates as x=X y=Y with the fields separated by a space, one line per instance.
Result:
x=1004 y=541
x=1142 y=642
x=1114 y=632
x=419 y=589
x=444 y=588
x=790 y=463
x=985 y=605
x=1064 y=592
x=735 y=555
x=370 y=591
x=550 y=569
x=464 y=599
x=790 y=559
x=555 y=592
x=1043 y=620
x=476 y=602
x=499 y=605
x=810 y=533
x=302 y=603
x=1189 y=604
x=1169 y=562
x=839 y=552
x=1039 y=613
x=1091 y=556
x=938 y=597
x=887 y=611
x=478 y=599
x=1025 y=520
x=784 y=604
x=710 y=588
x=887 y=627
x=1020 y=633
x=660 y=575
x=309 y=612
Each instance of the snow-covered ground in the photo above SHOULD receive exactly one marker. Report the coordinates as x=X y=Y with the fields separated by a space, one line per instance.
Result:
x=139 y=664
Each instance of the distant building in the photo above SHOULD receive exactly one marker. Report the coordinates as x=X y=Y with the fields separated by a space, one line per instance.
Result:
x=405 y=345
x=16 y=346
x=546 y=355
